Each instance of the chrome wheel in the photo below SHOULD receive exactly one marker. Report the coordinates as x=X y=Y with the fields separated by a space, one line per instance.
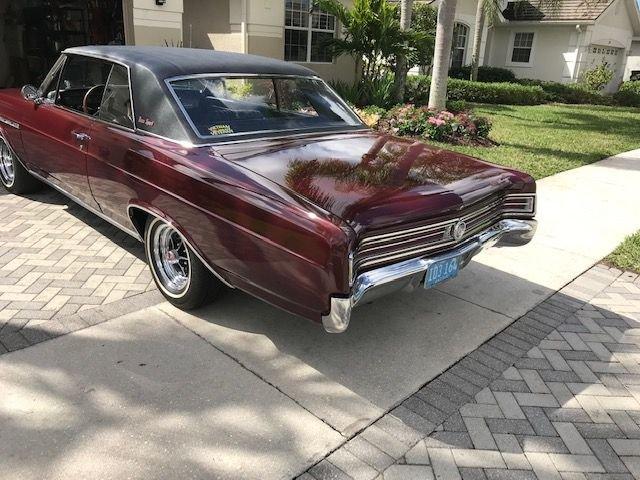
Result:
x=171 y=262
x=7 y=171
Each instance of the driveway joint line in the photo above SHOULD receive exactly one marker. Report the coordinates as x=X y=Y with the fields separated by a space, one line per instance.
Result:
x=256 y=374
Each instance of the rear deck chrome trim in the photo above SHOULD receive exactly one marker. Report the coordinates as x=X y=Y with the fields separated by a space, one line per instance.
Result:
x=410 y=273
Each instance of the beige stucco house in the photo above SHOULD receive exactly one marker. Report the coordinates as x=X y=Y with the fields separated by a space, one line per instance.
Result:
x=546 y=43
x=558 y=43
x=274 y=28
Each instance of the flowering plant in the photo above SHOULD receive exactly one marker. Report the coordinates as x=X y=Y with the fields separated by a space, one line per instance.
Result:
x=409 y=120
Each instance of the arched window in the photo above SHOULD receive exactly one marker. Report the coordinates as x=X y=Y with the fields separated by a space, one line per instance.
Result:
x=459 y=44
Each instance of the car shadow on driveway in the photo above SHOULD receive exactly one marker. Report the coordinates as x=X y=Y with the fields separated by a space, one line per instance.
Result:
x=121 y=239
x=392 y=347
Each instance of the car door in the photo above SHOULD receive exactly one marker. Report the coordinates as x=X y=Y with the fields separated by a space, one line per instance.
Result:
x=110 y=157
x=59 y=128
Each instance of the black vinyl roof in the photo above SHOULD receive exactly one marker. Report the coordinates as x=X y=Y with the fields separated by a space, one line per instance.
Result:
x=165 y=62
x=153 y=105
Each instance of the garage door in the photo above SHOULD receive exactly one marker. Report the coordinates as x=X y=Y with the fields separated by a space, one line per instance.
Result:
x=611 y=56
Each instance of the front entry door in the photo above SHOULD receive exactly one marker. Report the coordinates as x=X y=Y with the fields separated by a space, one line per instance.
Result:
x=56 y=145
x=59 y=134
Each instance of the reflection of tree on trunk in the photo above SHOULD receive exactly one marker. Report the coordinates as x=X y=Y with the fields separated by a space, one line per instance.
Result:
x=385 y=168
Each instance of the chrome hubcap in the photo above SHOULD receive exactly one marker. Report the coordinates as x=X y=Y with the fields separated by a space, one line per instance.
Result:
x=7 y=174
x=171 y=259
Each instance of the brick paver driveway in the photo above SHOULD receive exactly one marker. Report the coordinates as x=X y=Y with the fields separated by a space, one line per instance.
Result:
x=556 y=395
x=58 y=262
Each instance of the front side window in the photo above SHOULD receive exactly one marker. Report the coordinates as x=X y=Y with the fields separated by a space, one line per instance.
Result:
x=82 y=83
x=306 y=33
x=459 y=44
x=522 y=46
x=230 y=106
x=116 y=101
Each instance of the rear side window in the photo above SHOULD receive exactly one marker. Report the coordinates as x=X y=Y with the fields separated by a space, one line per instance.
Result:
x=116 y=102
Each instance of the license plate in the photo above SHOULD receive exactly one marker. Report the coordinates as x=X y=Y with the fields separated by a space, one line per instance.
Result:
x=441 y=271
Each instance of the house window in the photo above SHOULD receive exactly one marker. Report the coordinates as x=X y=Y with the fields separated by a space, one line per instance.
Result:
x=306 y=34
x=459 y=44
x=522 y=47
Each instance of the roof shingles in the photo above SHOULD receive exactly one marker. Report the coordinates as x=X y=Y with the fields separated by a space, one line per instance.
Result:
x=565 y=11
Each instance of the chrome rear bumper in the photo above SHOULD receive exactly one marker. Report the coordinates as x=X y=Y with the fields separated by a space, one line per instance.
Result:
x=409 y=274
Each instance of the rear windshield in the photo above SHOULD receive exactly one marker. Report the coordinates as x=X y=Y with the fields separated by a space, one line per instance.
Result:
x=229 y=106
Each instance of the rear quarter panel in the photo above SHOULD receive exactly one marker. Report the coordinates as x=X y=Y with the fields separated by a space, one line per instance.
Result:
x=255 y=235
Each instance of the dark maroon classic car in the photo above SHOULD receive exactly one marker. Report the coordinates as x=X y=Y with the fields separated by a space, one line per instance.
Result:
x=251 y=173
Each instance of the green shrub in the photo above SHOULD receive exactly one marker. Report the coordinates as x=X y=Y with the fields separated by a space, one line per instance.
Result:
x=598 y=77
x=485 y=74
x=376 y=91
x=461 y=128
x=349 y=92
x=457 y=106
x=417 y=92
x=628 y=95
x=567 y=92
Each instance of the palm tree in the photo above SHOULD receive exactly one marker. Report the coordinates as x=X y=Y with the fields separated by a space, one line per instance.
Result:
x=442 y=54
x=477 y=38
x=400 y=78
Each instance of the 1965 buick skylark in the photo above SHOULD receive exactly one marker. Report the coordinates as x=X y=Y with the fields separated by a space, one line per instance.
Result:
x=252 y=173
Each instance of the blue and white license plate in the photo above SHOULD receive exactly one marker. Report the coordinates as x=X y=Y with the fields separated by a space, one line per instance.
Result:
x=441 y=271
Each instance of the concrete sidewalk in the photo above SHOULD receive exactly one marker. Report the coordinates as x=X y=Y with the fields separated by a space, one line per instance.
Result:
x=259 y=383
x=583 y=215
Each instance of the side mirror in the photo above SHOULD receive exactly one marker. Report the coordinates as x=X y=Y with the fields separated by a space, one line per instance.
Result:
x=29 y=92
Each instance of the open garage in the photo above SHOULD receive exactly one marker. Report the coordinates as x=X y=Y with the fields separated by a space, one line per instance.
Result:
x=33 y=32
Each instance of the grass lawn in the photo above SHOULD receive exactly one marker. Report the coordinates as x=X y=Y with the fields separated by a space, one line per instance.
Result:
x=627 y=255
x=546 y=139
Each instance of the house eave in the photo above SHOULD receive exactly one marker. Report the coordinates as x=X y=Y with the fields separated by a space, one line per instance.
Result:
x=543 y=23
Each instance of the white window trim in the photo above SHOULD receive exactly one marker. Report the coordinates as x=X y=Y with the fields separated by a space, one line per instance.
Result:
x=465 y=50
x=309 y=29
x=512 y=38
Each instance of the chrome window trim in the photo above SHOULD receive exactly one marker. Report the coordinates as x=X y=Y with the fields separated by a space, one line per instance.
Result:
x=186 y=116
x=59 y=65
x=188 y=144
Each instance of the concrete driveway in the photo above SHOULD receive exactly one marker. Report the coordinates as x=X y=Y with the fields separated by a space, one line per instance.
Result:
x=242 y=390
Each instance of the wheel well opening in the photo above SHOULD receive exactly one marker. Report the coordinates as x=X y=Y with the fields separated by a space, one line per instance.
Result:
x=139 y=219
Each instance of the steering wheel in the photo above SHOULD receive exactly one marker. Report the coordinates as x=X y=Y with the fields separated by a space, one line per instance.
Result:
x=92 y=103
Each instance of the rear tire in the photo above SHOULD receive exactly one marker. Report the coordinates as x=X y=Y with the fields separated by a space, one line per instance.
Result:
x=13 y=176
x=179 y=274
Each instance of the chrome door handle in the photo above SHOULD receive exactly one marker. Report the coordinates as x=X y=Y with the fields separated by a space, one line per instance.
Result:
x=81 y=136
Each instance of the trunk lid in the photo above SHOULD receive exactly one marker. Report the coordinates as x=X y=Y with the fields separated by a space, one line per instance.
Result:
x=371 y=180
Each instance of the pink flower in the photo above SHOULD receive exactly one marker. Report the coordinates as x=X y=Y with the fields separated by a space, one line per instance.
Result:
x=446 y=115
x=438 y=122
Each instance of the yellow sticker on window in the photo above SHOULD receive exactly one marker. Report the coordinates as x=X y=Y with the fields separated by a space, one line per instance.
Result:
x=220 y=129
